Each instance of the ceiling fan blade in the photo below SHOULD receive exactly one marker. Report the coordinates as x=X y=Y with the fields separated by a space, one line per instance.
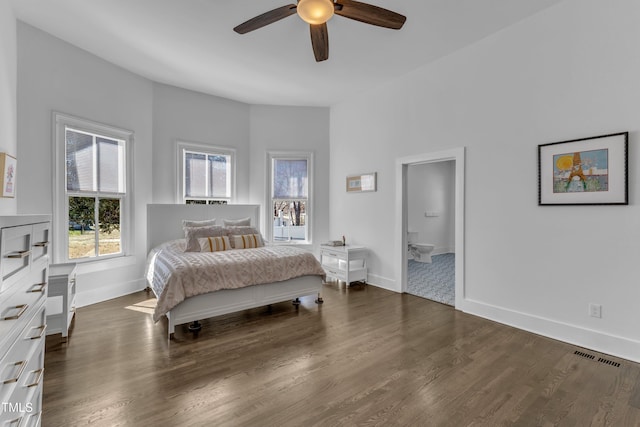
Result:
x=266 y=19
x=320 y=41
x=369 y=14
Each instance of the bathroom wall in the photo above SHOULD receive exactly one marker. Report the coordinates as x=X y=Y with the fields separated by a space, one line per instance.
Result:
x=430 y=191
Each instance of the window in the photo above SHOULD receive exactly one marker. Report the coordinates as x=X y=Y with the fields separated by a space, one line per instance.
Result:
x=290 y=176
x=91 y=190
x=205 y=174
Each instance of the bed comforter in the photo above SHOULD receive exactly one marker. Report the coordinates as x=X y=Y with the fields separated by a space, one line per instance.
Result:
x=175 y=275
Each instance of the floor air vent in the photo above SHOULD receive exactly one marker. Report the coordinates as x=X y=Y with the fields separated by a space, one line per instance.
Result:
x=608 y=362
x=585 y=355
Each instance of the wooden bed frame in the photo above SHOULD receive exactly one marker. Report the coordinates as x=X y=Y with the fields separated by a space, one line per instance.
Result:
x=164 y=223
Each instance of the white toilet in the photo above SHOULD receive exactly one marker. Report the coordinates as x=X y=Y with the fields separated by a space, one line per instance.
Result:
x=420 y=252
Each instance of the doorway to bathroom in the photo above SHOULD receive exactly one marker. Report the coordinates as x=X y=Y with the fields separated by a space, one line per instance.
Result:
x=430 y=225
x=431 y=231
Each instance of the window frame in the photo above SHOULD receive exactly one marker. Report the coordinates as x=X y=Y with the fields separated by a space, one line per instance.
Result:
x=209 y=150
x=60 y=223
x=289 y=155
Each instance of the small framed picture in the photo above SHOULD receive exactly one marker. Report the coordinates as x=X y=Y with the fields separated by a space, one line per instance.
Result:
x=8 y=181
x=588 y=171
x=360 y=183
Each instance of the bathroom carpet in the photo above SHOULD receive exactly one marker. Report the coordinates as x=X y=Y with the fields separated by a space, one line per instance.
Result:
x=435 y=281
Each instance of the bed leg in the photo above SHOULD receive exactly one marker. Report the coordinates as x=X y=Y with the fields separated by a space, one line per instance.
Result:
x=195 y=326
x=296 y=302
x=319 y=300
x=171 y=329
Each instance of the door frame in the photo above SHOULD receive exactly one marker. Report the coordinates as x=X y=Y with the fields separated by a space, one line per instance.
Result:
x=401 y=260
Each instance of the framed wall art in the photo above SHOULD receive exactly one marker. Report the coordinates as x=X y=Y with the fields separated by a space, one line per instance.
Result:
x=587 y=171
x=360 y=183
x=8 y=180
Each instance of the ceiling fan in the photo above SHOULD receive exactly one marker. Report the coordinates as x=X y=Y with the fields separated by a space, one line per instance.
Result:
x=318 y=12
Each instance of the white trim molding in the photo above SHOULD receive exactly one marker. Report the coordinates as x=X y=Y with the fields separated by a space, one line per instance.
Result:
x=59 y=223
x=182 y=145
x=458 y=156
x=268 y=211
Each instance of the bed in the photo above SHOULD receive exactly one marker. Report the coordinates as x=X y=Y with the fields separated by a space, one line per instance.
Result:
x=187 y=292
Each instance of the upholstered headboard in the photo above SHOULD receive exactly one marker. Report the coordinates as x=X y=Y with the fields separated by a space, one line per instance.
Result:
x=164 y=222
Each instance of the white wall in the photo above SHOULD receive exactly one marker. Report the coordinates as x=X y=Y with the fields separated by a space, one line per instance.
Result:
x=570 y=71
x=55 y=76
x=431 y=189
x=8 y=108
x=180 y=114
x=276 y=128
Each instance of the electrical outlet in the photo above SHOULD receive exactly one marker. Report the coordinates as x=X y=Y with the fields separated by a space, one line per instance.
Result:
x=595 y=310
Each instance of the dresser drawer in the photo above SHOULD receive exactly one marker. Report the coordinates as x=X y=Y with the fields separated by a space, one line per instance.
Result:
x=15 y=252
x=40 y=241
x=24 y=358
x=14 y=313
x=24 y=408
x=24 y=266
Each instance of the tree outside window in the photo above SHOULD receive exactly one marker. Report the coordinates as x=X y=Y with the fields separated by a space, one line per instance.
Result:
x=95 y=186
x=290 y=197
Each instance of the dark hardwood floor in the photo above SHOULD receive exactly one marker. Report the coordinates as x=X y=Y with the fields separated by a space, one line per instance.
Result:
x=367 y=357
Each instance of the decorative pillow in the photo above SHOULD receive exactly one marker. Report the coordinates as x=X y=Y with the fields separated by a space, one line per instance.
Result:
x=237 y=222
x=246 y=241
x=205 y=223
x=192 y=234
x=239 y=231
x=214 y=244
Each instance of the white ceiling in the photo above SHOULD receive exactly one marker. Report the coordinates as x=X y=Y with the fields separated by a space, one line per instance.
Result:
x=191 y=43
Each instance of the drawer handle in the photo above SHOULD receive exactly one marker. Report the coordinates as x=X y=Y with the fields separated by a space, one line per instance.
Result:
x=20 y=254
x=38 y=378
x=22 y=308
x=42 y=328
x=41 y=244
x=37 y=289
x=23 y=365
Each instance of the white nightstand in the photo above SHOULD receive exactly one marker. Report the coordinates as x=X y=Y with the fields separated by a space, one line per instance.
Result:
x=346 y=263
x=62 y=282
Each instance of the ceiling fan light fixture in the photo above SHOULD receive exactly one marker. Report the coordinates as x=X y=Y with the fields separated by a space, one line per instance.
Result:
x=315 y=12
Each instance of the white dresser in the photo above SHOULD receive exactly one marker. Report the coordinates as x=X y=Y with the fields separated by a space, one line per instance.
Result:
x=24 y=265
x=346 y=263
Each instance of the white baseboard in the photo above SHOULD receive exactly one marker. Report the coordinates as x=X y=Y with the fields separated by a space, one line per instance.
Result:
x=381 y=282
x=580 y=336
x=112 y=291
x=440 y=251
x=577 y=335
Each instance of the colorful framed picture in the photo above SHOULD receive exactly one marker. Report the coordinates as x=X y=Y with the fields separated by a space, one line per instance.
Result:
x=588 y=171
x=360 y=183
x=8 y=180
